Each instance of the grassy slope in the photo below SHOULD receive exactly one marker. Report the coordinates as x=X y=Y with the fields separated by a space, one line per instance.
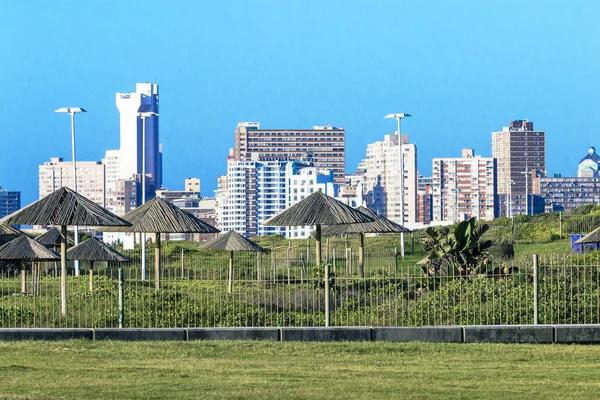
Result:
x=79 y=369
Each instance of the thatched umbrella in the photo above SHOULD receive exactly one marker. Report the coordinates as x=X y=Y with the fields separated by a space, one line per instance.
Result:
x=159 y=216
x=8 y=233
x=380 y=224
x=591 y=238
x=232 y=241
x=25 y=249
x=94 y=250
x=317 y=209
x=51 y=238
x=64 y=207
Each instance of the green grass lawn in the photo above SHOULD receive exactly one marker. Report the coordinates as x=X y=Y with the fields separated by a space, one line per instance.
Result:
x=82 y=369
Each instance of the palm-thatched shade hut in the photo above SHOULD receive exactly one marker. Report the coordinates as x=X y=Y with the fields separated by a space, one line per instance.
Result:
x=8 y=233
x=64 y=207
x=94 y=250
x=25 y=249
x=232 y=241
x=51 y=238
x=159 y=216
x=591 y=238
x=380 y=224
x=317 y=209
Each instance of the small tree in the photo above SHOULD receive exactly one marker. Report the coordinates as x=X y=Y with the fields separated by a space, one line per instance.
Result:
x=458 y=253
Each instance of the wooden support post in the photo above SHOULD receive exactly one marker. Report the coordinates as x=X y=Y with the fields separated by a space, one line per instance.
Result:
x=230 y=281
x=23 y=278
x=91 y=276
x=318 y=244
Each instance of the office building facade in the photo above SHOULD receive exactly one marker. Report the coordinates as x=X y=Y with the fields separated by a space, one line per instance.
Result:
x=144 y=99
x=10 y=201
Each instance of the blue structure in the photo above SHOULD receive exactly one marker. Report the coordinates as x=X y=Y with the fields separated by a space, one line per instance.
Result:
x=9 y=202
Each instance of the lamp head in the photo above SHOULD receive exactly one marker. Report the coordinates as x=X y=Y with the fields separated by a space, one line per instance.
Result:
x=147 y=114
x=70 y=110
x=398 y=115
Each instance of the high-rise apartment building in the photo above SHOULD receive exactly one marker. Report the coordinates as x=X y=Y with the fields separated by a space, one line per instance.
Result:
x=382 y=178
x=520 y=151
x=130 y=105
x=10 y=201
x=463 y=187
x=58 y=173
x=251 y=192
x=112 y=166
x=324 y=145
x=123 y=196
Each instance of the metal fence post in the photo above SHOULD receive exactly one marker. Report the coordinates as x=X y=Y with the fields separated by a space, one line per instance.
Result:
x=535 y=289
x=560 y=224
x=326 y=294
x=121 y=312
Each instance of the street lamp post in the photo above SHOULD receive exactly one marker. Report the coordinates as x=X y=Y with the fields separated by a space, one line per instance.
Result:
x=143 y=116
x=398 y=117
x=509 y=211
x=72 y=111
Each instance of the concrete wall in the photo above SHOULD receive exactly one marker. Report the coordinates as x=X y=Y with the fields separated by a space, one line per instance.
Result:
x=448 y=334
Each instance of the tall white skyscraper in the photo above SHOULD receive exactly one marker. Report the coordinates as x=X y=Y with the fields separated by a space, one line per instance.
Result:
x=144 y=99
x=382 y=180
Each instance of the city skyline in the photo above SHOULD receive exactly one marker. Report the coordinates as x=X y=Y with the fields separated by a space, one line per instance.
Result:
x=350 y=72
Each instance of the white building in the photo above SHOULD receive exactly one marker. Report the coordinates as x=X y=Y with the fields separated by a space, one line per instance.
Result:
x=112 y=166
x=144 y=99
x=254 y=191
x=301 y=180
x=382 y=180
x=463 y=187
x=58 y=173
x=251 y=192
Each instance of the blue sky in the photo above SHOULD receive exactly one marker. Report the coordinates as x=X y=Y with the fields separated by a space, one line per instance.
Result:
x=462 y=69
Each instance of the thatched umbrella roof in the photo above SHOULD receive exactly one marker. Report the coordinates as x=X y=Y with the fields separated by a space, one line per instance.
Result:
x=95 y=250
x=592 y=237
x=8 y=233
x=232 y=241
x=25 y=249
x=160 y=216
x=317 y=209
x=64 y=207
x=380 y=224
x=52 y=238
x=9 y=230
